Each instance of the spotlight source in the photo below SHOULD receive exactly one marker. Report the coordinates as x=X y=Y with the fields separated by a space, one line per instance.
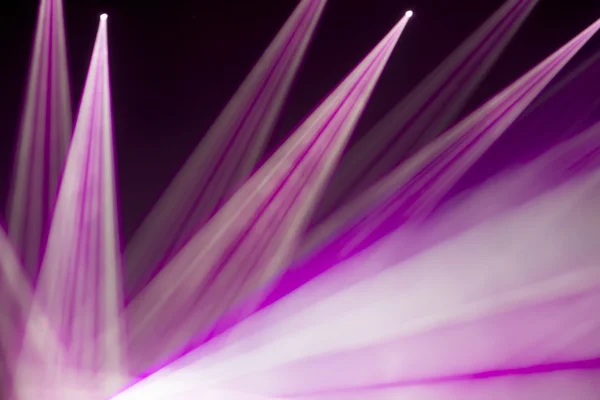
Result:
x=103 y=17
x=409 y=13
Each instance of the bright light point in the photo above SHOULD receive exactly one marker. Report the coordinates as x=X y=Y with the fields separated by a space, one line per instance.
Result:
x=103 y=17
x=409 y=13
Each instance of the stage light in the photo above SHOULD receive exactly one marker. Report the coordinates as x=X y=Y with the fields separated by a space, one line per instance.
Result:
x=409 y=13
x=103 y=17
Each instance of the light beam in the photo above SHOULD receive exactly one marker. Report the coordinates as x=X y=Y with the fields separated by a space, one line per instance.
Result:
x=79 y=285
x=227 y=154
x=43 y=138
x=413 y=190
x=426 y=111
x=257 y=231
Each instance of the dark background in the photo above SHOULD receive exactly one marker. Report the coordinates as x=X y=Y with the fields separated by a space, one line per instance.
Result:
x=175 y=64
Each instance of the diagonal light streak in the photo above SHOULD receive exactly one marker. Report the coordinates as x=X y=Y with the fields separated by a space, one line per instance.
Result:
x=226 y=156
x=257 y=231
x=427 y=111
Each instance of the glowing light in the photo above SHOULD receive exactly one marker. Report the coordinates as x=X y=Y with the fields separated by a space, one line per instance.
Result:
x=43 y=138
x=443 y=286
x=433 y=300
x=426 y=111
x=414 y=188
x=226 y=156
x=15 y=294
x=481 y=280
x=250 y=237
x=85 y=247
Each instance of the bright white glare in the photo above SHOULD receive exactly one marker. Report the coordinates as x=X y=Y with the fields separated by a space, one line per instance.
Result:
x=104 y=17
x=409 y=13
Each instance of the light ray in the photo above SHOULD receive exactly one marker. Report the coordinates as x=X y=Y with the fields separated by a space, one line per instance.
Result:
x=257 y=231
x=427 y=111
x=79 y=285
x=43 y=138
x=486 y=273
x=570 y=384
x=17 y=308
x=575 y=384
x=527 y=338
x=543 y=251
x=415 y=188
x=495 y=199
x=15 y=297
x=494 y=295
x=226 y=156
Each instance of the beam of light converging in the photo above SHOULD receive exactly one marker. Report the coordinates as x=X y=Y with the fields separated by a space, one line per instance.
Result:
x=570 y=103
x=449 y=157
x=79 y=285
x=427 y=111
x=538 y=261
x=43 y=138
x=580 y=385
x=494 y=267
x=572 y=158
x=493 y=200
x=506 y=191
x=416 y=177
x=257 y=231
x=226 y=156
x=414 y=189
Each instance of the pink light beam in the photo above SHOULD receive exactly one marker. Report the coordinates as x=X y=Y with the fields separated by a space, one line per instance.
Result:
x=226 y=156
x=539 y=260
x=493 y=199
x=79 y=285
x=541 y=252
x=410 y=192
x=43 y=138
x=427 y=110
x=256 y=232
x=570 y=159
x=415 y=187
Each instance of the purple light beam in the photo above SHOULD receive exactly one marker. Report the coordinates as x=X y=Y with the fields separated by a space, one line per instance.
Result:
x=539 y=255
x=493 y=199
x=79 y=285
x=541 y=252
x=562 y=111
x=427 y=111
x=43 y=138
x=256 y=232
x=226 y=156
x=415 y=188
